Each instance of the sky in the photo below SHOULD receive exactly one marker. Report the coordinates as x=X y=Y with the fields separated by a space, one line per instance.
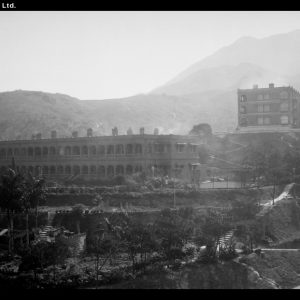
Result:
x=104 y=55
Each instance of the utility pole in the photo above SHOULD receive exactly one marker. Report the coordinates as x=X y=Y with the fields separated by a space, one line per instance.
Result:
x=174 y=199
x=294 y=174
x=227 y=180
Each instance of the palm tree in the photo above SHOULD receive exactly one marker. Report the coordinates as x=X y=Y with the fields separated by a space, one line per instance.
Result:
x=77 y=215
x=34 y=195
x=11 y=192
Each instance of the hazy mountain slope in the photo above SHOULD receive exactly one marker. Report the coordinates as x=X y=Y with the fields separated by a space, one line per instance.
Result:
x=279 y=53
x=222 y=78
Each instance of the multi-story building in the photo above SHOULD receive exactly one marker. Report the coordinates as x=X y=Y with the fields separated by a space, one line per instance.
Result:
x=96 y=157
x=272 y=108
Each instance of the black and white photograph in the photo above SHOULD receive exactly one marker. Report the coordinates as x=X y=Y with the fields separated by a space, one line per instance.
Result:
x=149 y=149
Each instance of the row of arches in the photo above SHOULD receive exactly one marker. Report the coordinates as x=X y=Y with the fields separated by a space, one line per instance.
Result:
x=100 y=170
x=101 y=150
x=93 y=150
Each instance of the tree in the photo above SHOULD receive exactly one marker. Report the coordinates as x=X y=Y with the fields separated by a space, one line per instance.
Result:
x=202 y=129
x=34 y=195
x=140 y=241
x=43 y=254
x=171 y=234
x=77 y=215
x=11 y=192
x=243 y=209
x=105 y=243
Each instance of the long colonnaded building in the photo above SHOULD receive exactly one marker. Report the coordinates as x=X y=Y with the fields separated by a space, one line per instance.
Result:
x=268 y=109
x=100 y=157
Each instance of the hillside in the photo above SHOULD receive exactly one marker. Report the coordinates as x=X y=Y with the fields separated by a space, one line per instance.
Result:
x=26 y=112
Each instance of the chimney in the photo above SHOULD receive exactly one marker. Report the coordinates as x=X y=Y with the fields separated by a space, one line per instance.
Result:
x=75 y=134
x=38 y=136
x=53 y=134
x=129 y=131
x=114 y=131
x=271 y=85
x=156 y=131
x=89 y=132
x=142 y=131
x=33 y=136
x=255 y=86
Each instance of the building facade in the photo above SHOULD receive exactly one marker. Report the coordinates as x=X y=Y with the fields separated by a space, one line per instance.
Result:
x=268 y=108
x=103 y=156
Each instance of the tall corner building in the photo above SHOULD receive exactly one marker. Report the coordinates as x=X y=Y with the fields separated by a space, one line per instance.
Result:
x=268 y=109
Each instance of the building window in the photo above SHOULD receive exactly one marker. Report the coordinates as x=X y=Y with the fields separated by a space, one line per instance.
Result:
x=45 y=170
x=101 y=150
x=52 y=170
x=120 y=149
x=60 y=170
x=284 y=95
x=138 y=149
x=243 y=98
x=93 y=169
x=284 y=120
x=30 y=152
x=23 y=151
x=263 y=121
x=75 y=150
x=260 y=97
x=68 y=170
x=243 y=122
x=67 y=150
x=267 y=121
x=138 y=169
x=2 y=153
x=263 y=108
x=45 y=151
x=110 y=171
x=129 y=170
x=267 y=107
x=242 y=109
x=284 y=106
x=76 y=170
x=37 y=151
x=180 y=147
x=52 y=151
x=260 y=120
x=193 y=148
x=294 y=104
x=93 y=150
x=129 y=149
x=84 y=150
x=110 y=149
x=101 y=171
x=119 y=170
x=85 y=170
